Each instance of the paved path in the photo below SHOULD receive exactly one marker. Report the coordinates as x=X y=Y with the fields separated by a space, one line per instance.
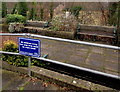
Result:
x=15 y=81
x=101 y=59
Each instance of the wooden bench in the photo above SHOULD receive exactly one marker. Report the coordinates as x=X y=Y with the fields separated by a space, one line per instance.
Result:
x=105 y=35
x=95 y=34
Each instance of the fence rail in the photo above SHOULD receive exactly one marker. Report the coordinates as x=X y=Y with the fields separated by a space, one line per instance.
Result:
x=65 y=40
x=107 y=76
x=61 y=39
x=71 y=66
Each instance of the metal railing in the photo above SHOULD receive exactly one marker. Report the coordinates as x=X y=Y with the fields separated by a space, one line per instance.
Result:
x=71 y=66
x=65 y=64
x=63 y=40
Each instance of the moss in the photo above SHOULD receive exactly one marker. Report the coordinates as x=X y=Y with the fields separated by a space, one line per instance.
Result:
x=21 y=88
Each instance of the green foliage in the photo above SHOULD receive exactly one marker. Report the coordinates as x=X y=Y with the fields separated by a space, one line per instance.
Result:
x=75 y=11
x=14 y=11
x=32 y=14
x=113 y=14
x=4 y=9
x=21 y=88
x=41 y=11
x=15 y=18
x=22 y=8
x=114 y=19
x=10 y=46
x=35 y=10
x=51 y=10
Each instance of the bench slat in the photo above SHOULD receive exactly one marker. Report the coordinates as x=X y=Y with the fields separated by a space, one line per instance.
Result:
x=95 y=34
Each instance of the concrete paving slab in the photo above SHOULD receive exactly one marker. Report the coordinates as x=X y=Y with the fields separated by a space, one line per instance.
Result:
x=96 y=60
x=39 y=85
x=97 y=50
x=14 y=81
x=111 y=59
x=77 y=54
x=112 y=66
x=7 y=78
x=82 y=47
x=111 y=52
x=76 y=60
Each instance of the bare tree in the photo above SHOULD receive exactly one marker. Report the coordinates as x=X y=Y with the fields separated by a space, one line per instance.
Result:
x=102 y=8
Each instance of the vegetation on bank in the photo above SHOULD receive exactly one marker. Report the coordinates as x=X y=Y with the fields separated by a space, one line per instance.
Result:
x=17 y=60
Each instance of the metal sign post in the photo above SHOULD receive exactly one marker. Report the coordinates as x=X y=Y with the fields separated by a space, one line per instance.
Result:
x=29 y=66
x=29 y=47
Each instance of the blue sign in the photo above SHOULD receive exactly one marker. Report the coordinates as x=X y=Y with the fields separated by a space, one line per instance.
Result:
x=29 y=47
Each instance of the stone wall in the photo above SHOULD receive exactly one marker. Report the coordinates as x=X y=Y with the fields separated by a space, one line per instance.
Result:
x=35 y=23
x=47 y=32
x=106 y=31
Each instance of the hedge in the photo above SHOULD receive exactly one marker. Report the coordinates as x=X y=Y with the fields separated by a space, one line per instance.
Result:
x=15 y=18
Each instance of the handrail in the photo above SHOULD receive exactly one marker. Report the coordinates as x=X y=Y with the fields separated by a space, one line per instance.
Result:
x=64 y=40
x=71 y=66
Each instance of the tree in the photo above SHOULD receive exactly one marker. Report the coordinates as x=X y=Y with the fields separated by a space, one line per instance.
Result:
x=75 y=11
x=118 y=24
x=14 y=11
x=51 y=10
x=114 y=19
x=22 y=8
x=113 y=13
x=102 y=7
x=32 y=14
x=4 y=9
x=41 y=11
x=35 y=9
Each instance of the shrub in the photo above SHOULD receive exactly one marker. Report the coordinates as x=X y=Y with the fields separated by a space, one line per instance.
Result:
x=15 y=18
x=61 y=23
x=10 y=46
